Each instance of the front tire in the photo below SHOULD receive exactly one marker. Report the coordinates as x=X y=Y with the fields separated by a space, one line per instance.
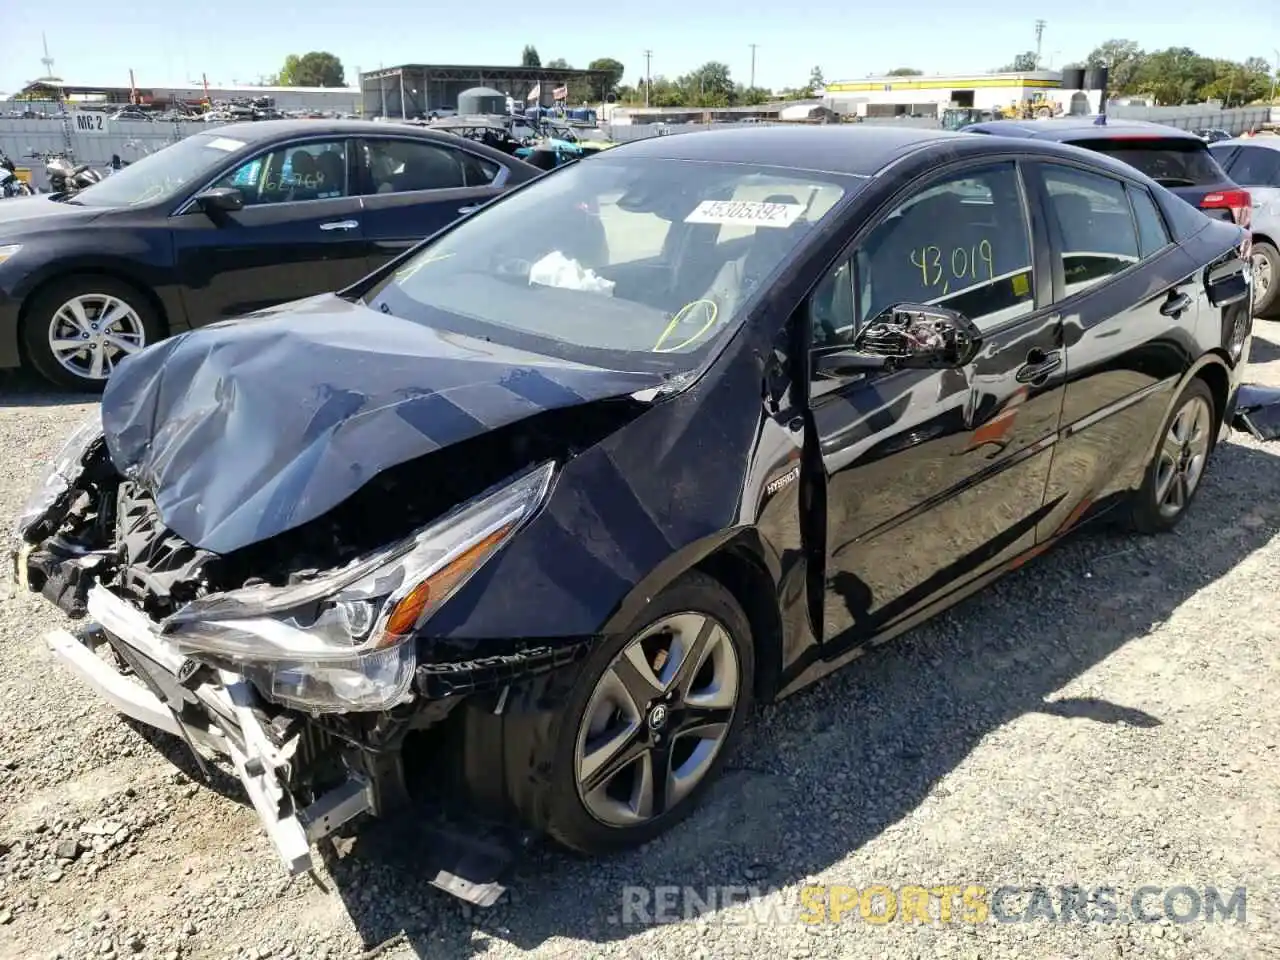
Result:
x=1187 y=439
x=78 y=330
x=649 y=721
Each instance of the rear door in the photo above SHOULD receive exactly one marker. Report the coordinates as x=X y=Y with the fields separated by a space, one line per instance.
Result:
x=1129 y=300
x=298 y=234
x=414 y=187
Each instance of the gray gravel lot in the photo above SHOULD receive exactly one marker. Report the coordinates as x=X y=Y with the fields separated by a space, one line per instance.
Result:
x=1103 y=717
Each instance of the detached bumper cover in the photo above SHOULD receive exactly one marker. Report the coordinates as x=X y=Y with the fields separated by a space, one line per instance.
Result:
x=233 y=729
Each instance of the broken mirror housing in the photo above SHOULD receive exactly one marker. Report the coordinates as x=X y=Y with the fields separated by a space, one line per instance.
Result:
x=342 y=641
x=58 y=475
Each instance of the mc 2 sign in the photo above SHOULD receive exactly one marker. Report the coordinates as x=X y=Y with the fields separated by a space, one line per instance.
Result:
x=90 y=122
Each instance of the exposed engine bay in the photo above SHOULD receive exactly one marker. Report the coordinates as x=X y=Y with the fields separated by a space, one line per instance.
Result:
x=305 y=727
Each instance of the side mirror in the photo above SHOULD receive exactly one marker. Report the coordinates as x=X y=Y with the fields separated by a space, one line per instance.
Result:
x=904 y=337
x=220 y=200
x=918 y=336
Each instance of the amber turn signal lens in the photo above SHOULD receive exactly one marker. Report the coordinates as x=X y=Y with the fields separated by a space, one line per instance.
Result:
x=409 y=609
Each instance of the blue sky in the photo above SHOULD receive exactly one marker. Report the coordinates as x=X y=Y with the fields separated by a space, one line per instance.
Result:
x=93 y=42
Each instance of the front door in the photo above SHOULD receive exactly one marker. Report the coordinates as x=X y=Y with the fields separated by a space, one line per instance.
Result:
x=415 y=187
x=935 y=477
x=298 y=234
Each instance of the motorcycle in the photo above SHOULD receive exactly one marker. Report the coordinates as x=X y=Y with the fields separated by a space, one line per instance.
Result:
x=11 y=185
x=64 y=177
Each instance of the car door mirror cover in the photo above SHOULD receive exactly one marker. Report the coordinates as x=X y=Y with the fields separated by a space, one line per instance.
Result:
x=220 y=200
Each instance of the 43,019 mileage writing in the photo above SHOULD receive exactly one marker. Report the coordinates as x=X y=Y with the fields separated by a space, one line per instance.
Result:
x=937 y=270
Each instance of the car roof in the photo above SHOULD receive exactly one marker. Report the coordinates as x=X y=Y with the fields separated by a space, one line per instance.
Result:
x=853 y=149
x=256 y=131
x=1079 y=128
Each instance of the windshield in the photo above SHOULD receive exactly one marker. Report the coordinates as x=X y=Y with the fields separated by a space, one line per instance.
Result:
x=161 y=175
x=615 y=261
x=1171 y=162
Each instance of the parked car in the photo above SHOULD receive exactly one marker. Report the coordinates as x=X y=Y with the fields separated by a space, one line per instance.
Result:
x=553 y=499
x=1176 y=159
x=218 y=225
x=1254 y=163
x=1211 y=135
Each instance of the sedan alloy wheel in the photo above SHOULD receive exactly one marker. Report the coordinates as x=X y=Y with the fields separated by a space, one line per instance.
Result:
x=92 y=332
x=657 y=719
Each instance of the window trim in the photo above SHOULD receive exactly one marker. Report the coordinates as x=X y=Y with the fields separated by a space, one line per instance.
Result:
x=366 y=180
x=1060 y=296
x=186 y=206
x=1130 y=189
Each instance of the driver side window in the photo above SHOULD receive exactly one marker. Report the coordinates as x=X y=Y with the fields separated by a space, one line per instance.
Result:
x=960 y=243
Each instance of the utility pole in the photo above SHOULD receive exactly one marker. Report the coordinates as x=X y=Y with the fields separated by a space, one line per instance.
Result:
x=1040 y=25
x=648 y=57
x=752 y=86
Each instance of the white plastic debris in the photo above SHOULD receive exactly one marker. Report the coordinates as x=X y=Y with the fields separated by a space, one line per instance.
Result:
x=557 y=270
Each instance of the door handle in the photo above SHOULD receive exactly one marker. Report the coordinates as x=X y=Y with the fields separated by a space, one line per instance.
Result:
x=1038 y=366
x=469 y=209
x=339 y=225
x=1175 y=305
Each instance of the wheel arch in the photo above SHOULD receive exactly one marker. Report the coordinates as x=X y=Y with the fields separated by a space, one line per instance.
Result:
x=741 y=561
x=1214 y=369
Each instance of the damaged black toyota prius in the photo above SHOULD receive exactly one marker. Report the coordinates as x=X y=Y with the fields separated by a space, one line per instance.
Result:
x=563 y=491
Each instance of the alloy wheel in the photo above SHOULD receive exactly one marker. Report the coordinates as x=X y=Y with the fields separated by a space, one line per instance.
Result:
x=657 y=719
x=91 y=333
x=1183 y=455
x=1262 y=278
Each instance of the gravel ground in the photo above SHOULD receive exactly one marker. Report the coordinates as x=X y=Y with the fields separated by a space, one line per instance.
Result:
x=1102 y=717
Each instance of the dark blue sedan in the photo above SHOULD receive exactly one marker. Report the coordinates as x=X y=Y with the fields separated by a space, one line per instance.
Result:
x=220 y=224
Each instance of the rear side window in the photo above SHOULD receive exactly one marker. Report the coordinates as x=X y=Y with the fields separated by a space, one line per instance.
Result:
x=1256 y=167
x=1170 y=162
x=1152 y=233
x=1095 y=226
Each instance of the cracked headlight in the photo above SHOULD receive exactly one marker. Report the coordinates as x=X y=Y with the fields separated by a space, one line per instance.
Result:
x=57 y=476
x=343 y=640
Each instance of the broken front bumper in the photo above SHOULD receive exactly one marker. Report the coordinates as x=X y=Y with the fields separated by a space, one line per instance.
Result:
x=224 y=700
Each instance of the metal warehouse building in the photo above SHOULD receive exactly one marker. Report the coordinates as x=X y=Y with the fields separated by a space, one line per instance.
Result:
x=928 y=96
x=416 y=90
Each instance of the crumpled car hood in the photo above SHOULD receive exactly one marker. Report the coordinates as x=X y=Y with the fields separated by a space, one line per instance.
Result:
x=247 y=429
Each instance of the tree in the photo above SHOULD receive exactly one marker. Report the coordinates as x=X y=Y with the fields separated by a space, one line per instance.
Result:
x=904 y=72
x=707 y=86
x=614 y=70
x=1175 y=76
x=1123 y=59
x=1022 y=63
x=816 y=81
x=288 y=75
x=530 y=58
x=559 y=63
x=314 y=69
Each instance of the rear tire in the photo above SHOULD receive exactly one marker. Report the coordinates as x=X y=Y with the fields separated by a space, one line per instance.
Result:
x=672 y=692
x=111 y=318
x=1266 y=266
x=1186 y=442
